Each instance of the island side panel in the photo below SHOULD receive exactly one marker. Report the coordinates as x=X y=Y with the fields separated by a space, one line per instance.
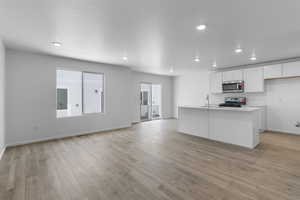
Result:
x=232 y=127
x=257 y=126
x=193 y=121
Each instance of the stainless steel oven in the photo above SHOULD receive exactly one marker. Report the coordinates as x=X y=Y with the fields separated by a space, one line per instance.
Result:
x=233 y=87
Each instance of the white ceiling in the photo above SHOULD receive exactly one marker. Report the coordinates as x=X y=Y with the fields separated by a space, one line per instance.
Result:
x=155 y=34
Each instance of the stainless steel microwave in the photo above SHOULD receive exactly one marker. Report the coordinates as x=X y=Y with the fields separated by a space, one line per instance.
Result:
x=233 y=86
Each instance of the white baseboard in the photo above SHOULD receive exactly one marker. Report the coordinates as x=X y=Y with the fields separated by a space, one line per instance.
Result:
x=171 y=117
x=66 y=135
x=62 y=136
x=282 y=131
x=2 y=152
x=164 y=118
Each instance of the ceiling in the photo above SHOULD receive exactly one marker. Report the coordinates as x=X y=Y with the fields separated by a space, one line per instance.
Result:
x=155 y=35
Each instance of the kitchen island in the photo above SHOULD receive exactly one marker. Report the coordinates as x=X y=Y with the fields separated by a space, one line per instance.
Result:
x=239 y=126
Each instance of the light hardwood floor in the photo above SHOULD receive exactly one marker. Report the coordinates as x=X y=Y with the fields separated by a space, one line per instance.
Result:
x=151 y=161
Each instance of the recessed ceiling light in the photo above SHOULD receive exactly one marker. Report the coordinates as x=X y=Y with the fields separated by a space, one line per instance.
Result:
x=197 y=59
x=214 y=64
x=125 y=58
x=201 y=27
x=238 y=50
x=56 y=44
x=253 y=58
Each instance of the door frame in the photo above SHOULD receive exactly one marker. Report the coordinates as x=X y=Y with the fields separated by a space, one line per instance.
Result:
x=140 y=104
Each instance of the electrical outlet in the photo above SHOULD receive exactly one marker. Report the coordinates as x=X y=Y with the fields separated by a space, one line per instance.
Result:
x=297 y=124
x=35 y=128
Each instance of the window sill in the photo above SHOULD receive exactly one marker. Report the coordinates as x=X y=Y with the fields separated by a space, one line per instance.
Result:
x=83 y=115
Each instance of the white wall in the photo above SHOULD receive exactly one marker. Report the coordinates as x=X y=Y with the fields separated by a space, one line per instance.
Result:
x=31 y=98
x=2 y=96
x=191 y=89
x=166 y=83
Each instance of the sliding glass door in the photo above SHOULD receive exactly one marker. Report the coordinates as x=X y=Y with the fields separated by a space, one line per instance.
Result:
x=150 y=99
x=156 y=101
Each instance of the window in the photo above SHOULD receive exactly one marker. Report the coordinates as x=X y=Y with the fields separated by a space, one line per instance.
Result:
x=92 y=92
x=70 y=81
x=78 y=93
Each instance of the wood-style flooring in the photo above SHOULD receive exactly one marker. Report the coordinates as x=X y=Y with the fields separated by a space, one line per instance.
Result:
x=151 y=161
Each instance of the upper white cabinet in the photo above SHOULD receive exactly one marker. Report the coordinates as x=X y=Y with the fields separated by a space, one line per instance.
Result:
x=235 y=75
x=254 y=77
x=291 y=69
x=254 y=80
x=273 y=71
x=216 y=82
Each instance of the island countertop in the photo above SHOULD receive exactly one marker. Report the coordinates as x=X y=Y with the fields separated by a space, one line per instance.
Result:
x=214 y=107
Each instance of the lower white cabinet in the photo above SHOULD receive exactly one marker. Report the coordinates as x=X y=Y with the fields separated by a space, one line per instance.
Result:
x=254 y=80
x=262 y=119
x=291 y=69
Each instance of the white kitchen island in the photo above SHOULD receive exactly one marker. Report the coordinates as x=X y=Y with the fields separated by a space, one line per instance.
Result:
x=239 y=126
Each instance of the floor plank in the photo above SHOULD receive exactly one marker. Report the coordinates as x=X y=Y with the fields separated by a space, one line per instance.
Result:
x=151 y=161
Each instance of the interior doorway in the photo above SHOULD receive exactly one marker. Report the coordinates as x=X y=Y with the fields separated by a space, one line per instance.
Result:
x=150 y=101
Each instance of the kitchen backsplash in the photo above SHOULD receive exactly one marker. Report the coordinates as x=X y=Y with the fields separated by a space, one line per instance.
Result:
x=253 y=99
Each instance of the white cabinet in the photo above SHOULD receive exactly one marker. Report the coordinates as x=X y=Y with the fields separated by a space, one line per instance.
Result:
x=273 y=71
x=254 y=80
x=291 y=69
x=227 y=76
x=216 y=82
x=282 y=70
x=235 y=75
x=262 y=119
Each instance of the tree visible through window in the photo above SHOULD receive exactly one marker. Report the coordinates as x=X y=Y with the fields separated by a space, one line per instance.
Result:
x=62 y=99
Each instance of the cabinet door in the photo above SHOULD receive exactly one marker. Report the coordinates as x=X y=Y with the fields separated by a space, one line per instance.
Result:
x=235 y=75
x=291 y=69
x=227 y=76
x=273 y=71
x=216 y=82
x=254 y=81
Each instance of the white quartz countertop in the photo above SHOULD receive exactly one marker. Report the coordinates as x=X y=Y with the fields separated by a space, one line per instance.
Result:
x=241 y=109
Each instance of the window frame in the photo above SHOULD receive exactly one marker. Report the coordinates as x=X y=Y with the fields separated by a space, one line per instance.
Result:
x=82 y=93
